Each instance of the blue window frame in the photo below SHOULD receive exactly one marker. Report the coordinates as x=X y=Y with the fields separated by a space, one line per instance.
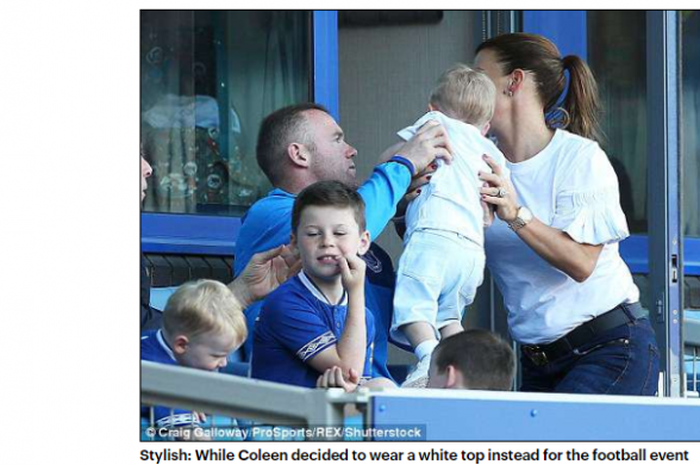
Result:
x=216 y=235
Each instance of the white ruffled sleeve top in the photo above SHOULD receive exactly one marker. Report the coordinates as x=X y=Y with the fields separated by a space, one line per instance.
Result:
x=570 y=186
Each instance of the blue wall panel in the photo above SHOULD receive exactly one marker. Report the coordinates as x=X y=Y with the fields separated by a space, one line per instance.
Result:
x=635 y=252
x=490 y=416
x=188 y=234
x=567 y=29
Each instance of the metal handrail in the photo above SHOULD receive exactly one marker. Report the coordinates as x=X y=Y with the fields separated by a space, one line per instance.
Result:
x=235 y=396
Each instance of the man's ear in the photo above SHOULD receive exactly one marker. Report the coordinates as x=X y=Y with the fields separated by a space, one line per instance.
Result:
x=180 y=344
x=451 y=381
x=365 y=241
x=298 y=154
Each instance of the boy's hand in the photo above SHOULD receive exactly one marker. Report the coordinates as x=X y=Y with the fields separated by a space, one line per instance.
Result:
x=333 y=378
x=352 y=273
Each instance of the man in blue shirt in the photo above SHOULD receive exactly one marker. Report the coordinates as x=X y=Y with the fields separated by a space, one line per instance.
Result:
x=302 y=144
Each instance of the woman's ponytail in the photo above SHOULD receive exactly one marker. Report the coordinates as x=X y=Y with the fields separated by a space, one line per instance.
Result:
x=581 y=101
x=580 y=110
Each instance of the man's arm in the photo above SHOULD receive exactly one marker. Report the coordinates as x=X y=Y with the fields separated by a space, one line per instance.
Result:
x=389 y=182
x=263 y=274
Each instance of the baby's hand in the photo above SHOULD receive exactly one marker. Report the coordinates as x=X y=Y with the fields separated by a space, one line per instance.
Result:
x=352 y=273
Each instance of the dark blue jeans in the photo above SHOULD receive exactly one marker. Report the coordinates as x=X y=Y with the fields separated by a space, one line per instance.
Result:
x=623 y=360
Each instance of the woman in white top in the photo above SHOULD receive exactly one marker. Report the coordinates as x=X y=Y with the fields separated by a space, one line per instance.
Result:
x=553 y=250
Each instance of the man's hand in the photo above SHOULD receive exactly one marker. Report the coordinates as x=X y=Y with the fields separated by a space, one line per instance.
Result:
x=429 y=143
x=352 y=273
x=333 y=378
x=264 y=273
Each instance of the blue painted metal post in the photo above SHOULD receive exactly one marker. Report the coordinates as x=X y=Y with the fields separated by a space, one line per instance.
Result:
x=325 y=39
x=664 y=180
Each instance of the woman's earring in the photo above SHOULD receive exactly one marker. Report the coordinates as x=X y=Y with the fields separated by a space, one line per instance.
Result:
x=510 y=93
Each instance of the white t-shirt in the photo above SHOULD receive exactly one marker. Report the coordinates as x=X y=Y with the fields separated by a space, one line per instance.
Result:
x=570 y=186
x=451 y=201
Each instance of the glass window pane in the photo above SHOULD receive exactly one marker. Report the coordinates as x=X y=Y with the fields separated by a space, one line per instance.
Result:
x=690 y=120
x=207 y=80
x=617 y=57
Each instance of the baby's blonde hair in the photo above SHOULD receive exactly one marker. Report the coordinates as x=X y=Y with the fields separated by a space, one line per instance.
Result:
x=204 y=306
x=465 y=94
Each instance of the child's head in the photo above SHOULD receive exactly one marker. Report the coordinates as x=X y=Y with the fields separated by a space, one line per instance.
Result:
x=465 y=94
x=328 y=221
x=473 y=359
x=203 y=323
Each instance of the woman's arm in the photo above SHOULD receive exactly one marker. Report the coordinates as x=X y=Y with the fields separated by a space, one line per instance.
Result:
x=555 y=246
x=576 y=260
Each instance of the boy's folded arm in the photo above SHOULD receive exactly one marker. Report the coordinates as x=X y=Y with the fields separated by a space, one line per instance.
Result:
x=349 y=352
x=334 y=378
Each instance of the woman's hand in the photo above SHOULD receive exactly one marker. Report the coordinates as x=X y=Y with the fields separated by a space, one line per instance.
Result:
x=500 y=192
x=414 y=190
x=488 y=211
x=417 y=183
x=264 y=273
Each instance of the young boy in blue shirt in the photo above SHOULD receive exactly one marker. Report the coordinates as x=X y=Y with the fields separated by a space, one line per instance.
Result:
x=202 y=324
x=318 y=320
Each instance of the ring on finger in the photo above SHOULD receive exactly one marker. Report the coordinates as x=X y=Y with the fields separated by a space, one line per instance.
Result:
x=501 y=193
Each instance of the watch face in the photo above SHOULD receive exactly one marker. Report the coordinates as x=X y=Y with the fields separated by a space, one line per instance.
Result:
x=525 y=215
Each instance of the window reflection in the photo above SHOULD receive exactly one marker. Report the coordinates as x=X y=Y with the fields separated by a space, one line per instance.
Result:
x=617 y=57
x=207 y=80
x=690 y=119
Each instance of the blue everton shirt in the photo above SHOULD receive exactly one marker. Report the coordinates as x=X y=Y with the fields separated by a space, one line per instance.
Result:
x=155 y=349
x=297 y=323
x=267 y=225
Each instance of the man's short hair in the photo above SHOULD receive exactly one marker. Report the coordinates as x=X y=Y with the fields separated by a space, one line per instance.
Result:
x=329 y=194
x=279 y=129
x=465 y=94
x=485 y=360
x=204 y=306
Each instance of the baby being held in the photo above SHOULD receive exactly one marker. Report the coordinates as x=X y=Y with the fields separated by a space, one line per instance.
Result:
x=442 y=263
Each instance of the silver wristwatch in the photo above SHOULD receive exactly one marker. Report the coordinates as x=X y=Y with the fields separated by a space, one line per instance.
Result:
x=522 y=218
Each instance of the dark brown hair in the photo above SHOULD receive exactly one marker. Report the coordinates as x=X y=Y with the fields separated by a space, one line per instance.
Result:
x=485 y=360
x=539 y=56
x=329 y=194
x=279 y=129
